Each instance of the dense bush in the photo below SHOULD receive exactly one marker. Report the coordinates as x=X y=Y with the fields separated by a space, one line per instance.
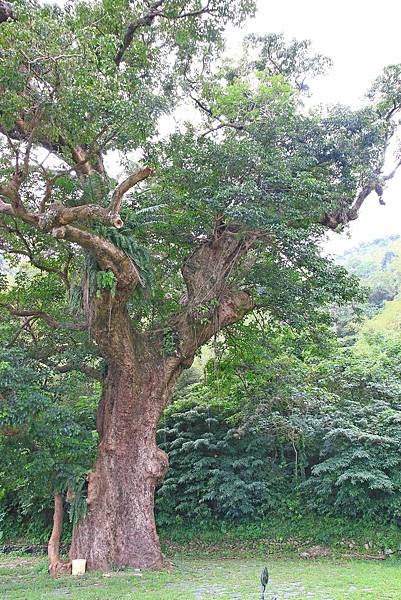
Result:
x=321 y=436
x=216 y=470
x=359 y=473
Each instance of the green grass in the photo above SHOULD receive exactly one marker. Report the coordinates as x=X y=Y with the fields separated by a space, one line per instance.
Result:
x=198 y=577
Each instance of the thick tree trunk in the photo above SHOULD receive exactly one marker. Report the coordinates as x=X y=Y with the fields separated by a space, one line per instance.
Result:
x=119 y=528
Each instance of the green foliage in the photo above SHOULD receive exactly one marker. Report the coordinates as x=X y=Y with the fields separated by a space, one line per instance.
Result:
x=286 y=427
x=358 y=472
x=358 y=469
x=94 y=97
x=285 y=532
x=106 y=280
x=258 y=160
x=378 y=264
x=216 y=471
x=46 y=439
x=126 y=240
x=78 y=505
x=169 y=341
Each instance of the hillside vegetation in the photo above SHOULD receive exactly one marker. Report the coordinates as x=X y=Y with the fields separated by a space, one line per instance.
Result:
x=378 y=265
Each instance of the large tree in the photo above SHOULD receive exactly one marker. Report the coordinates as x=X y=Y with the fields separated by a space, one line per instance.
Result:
x=221 y=219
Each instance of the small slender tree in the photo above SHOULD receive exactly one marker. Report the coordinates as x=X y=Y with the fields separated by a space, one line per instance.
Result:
x=156 y=266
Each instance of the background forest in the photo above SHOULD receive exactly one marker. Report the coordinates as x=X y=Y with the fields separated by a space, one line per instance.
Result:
x=280 y=426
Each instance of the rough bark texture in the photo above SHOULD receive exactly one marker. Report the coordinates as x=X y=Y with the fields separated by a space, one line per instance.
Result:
x=53 y=548
x=6 y=11
x=119 y=527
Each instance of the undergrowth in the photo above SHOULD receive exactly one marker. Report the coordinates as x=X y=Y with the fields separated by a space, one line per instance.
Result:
x=335 y=533
x=284 y=534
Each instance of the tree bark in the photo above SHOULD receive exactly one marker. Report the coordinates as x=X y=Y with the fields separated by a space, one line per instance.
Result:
x=53 y=548
x=119 y=527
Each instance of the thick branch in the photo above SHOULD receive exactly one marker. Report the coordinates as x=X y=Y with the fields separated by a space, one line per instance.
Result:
x=212 y=300
x=206 y=271
x=194 y=331
x=123 y=188
x=80 y=156
x=48 y=319
x=155 y=10
x=108 y=256
x=144 y=21
x=14 y=207
x=58 y=215
x=55 y=220
x=377 y=184
x=6 y=11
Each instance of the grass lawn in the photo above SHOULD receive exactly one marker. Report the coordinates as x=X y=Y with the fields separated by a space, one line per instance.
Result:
x=204 y=578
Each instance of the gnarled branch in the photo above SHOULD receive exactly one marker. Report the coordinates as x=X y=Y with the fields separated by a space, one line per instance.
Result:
x=6 y=11
x=55 y=220
x=48 y=319
x=155 y=10
x=122 y=189
x=231 y=307
x=108 y=256
x=212 y=300
x=144 y=21
x=377 y=184
x=207 y=269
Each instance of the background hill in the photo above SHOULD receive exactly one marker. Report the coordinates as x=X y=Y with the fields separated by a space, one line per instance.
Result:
x=378 y=265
